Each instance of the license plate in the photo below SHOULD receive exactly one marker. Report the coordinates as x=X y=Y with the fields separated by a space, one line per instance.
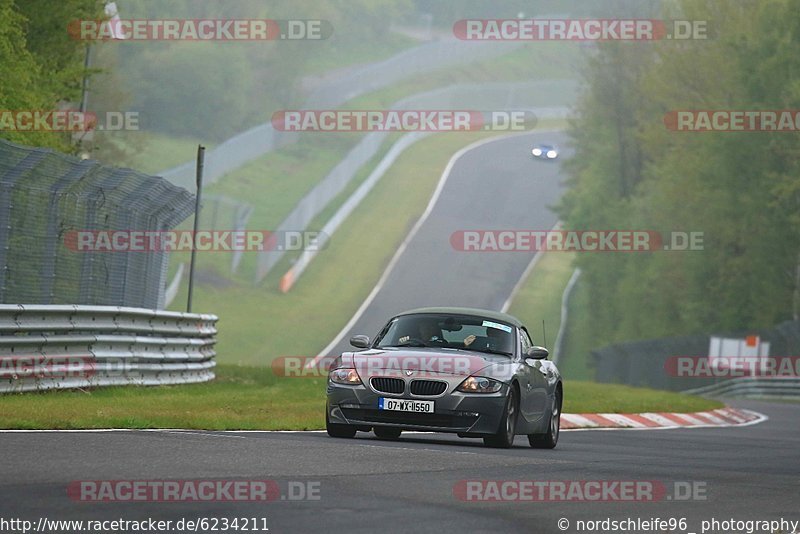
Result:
x=401 y=405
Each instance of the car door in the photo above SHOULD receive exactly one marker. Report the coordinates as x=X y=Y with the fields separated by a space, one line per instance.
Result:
x=533 y=404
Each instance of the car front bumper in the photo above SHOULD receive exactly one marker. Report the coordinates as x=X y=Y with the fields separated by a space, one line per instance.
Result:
x=463 y=413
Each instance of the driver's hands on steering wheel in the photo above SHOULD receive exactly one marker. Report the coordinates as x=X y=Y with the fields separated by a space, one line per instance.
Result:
x=469 y=339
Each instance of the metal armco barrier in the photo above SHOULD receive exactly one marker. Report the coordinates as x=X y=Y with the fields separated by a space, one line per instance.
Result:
x=71 y=346
x=262 y=139
x=642 y=363
x=485 y=96
x=773 y=387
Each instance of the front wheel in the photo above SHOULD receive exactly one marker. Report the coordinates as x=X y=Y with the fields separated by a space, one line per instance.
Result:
x=504 y=437
x=549 y=439
x=336 y=430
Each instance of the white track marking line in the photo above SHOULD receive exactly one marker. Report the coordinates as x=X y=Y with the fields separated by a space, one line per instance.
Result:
x=210 y=433
x=396 y=258
x=577 y=419
x=732 y=414
x=525 y=274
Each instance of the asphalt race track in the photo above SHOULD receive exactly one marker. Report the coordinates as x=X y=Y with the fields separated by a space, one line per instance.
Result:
x=369 y=485
x=495 y=186
x=411 y=485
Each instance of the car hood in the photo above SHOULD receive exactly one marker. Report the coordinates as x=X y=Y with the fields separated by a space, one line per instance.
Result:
x=424 y=362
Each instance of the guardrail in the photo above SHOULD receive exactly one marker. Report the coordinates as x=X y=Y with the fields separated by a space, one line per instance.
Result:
x=263 y=138
x=558 y=347
x=484 y=96
x=777 y=387
x=73 y=346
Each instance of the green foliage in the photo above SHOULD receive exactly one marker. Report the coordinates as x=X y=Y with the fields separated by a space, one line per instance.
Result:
x=199 y=90
x=206 y=90
x=216 y=89
x=41 y=66
x=740 y=189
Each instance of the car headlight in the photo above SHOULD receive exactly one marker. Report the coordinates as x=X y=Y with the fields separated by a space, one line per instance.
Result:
x=536 y=151
x=479 y=384
x=552 y=153
x=345 y=376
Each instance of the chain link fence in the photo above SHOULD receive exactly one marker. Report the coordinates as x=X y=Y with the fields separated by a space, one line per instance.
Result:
x=47 y=197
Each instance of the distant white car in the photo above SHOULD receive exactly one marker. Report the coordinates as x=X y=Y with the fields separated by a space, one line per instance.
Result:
x=546 y=152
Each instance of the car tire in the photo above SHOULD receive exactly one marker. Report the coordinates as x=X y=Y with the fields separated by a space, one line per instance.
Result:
x=504 y=437
x=387 y=432
x=549 y=439
x=336 y=430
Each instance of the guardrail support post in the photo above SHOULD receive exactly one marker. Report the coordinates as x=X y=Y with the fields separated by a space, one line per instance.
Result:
x=201 y=152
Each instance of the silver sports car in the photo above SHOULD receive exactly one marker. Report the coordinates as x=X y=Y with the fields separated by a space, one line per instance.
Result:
x=461 y=370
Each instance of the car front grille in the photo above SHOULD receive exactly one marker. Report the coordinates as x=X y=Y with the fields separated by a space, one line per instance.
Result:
x=392 y=386
x=428 y=387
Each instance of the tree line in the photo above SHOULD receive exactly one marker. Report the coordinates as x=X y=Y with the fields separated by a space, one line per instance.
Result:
x=740 y=189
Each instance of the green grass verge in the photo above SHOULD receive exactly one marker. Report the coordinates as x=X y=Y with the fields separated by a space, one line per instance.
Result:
x=576 y=362
x=539 y=298
x=247 y=398
x=258 y=324
x=592 y=397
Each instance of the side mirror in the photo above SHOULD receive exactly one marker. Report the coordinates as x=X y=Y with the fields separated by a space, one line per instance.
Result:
x=360 y=342
x=537 y=353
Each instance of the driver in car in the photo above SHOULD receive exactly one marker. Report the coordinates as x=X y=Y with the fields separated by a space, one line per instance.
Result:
x=493 y=339
x=429 y=332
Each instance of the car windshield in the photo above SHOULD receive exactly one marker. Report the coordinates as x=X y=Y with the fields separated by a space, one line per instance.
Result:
x=461 y=332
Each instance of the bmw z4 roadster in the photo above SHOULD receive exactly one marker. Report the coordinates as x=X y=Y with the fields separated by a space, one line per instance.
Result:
x=466 y=371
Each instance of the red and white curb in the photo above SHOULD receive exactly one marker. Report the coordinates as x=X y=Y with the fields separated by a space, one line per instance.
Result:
x=720 y=417
x=569 y=421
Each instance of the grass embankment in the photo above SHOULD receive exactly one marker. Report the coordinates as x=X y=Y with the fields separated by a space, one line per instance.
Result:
x=255 y=320
x=576 y=362
x=251 y=398
x=259 y=323
x=539 y=298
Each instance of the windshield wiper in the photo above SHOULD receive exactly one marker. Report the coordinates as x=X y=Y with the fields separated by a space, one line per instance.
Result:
x=406 y=344
x=491 y=351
